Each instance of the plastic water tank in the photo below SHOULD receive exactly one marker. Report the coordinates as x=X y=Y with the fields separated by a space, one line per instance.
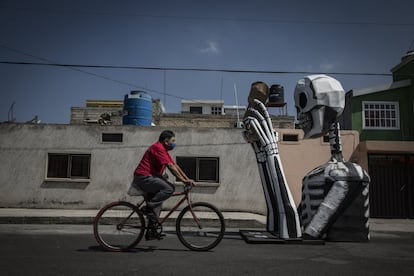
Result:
x=276 y=94
x=137 y=109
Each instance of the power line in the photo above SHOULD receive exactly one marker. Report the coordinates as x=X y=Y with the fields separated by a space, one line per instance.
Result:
x=211 y=18
x=74 y=68
x=190 y=69
x=164 y=93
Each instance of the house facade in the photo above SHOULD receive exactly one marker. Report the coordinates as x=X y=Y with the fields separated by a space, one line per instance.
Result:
x=88 y=166
x=384 y=117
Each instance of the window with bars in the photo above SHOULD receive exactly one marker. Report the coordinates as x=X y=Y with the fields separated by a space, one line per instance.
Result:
x=380 y=115
x=201 y=169
x=216 y=110
x=72 y=166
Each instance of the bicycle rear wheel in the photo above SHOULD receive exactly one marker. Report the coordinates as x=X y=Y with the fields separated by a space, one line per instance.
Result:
x=119 y=226
x=200 y=227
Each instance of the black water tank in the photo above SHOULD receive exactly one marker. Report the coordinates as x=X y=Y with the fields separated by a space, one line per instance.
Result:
x=276 y=94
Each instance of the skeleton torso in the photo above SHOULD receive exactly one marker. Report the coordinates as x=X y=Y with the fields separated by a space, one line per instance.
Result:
x=332 y=191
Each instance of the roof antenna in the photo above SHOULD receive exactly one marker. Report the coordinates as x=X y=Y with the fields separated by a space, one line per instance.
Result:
x=10 y=115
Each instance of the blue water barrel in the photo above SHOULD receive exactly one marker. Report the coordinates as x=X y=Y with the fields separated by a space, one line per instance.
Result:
x=137 y=109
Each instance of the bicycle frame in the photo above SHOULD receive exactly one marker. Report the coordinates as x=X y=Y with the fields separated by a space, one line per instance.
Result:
x=186 y=197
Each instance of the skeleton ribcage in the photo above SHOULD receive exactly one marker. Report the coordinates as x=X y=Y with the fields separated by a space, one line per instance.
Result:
x=314 y=189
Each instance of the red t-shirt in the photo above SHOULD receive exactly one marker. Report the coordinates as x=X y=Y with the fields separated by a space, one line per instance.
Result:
x=154 y=160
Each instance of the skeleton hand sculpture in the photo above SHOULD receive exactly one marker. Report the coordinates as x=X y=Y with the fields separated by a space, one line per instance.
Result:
x=282 y=216
x=335 y=196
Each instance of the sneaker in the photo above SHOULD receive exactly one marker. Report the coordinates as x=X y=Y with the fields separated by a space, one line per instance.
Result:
x=152 y=234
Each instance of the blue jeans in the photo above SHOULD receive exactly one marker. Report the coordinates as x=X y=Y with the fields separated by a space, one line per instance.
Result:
x=159 y=188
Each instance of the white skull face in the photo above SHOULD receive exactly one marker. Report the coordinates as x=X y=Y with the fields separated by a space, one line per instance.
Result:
x=319 y=101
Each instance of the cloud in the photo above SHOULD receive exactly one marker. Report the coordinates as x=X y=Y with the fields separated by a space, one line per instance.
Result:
x=212 y=47
x=326 y=66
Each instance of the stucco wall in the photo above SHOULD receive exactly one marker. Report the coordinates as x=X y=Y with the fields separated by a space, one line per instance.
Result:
x=24 y=149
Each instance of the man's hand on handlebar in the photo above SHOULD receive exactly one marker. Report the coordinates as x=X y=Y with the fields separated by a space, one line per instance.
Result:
x=189 y=182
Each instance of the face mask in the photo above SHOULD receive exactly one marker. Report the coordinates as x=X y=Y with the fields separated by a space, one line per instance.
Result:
x=171 y=146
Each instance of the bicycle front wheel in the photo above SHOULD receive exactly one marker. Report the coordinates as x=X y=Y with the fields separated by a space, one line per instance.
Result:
x=200 y=226
x=119 y=226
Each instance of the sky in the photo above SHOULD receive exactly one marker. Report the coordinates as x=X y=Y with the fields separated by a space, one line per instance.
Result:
x=154 y=45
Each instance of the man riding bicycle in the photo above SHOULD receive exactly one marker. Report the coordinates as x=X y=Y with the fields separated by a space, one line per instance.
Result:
x=150 y=177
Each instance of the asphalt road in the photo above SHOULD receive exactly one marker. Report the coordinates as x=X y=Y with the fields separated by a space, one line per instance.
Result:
x=72 y=250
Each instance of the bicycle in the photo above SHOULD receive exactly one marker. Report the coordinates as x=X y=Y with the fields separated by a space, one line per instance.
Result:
x=120 y=225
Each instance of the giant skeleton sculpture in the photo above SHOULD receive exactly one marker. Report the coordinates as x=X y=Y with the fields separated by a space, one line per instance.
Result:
x=335 y=196
x=334 y=202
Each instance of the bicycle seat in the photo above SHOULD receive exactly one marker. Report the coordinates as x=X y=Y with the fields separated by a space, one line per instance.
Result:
x=135 y=191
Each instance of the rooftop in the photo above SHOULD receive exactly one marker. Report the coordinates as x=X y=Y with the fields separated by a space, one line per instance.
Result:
x=380 y=88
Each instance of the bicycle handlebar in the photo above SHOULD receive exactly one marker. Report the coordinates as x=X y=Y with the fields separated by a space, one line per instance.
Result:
x=187 y=187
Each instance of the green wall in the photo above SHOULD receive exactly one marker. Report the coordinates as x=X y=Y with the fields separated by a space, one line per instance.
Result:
x=405 y=97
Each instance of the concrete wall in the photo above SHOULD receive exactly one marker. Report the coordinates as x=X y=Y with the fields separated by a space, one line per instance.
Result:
x=24 y=149
x=80 y=114
x=213 y=121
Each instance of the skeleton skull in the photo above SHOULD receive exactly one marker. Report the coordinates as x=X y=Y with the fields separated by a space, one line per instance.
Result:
x=319 y=101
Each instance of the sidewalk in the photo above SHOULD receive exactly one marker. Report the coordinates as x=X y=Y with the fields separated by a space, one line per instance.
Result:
x=238 y=220
x=65 y=216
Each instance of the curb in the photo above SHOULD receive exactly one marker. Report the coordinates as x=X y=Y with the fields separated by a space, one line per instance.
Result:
x=86 y=217
x=230 y=223
x=46 y=220
x=235 y=220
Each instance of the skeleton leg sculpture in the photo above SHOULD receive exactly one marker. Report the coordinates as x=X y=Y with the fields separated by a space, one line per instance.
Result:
x=335 y=196
x=282 y=217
